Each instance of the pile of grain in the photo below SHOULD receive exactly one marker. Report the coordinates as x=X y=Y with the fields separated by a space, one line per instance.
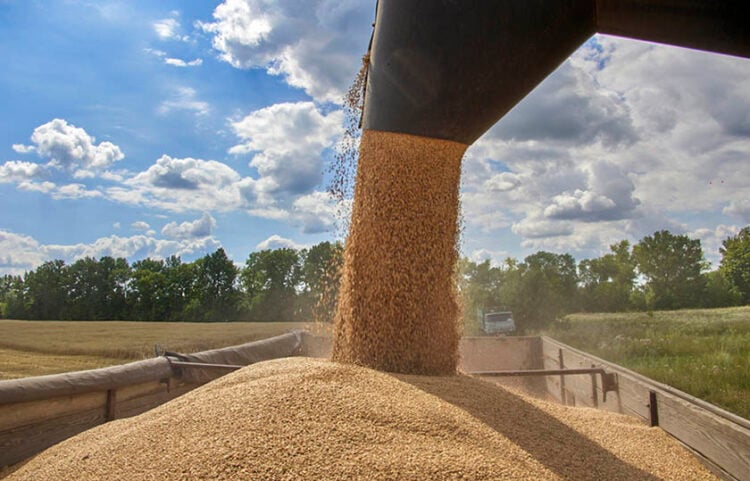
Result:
x=397 y=305
x=313 y=419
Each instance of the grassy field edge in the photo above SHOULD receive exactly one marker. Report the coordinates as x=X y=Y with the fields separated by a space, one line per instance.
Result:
x=703 y=352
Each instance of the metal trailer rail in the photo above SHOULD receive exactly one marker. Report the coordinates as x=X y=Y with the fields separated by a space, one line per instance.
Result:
x=608 y=379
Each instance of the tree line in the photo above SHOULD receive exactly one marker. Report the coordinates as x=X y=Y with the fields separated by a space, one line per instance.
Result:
x=662 y=271
x=273 y=285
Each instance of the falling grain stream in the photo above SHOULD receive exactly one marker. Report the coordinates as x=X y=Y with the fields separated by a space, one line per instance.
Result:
x=398 y=310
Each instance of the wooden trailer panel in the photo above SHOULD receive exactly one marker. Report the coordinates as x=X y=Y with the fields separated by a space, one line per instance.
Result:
x=499 y=353
x=721 y=439
x=724 y=443
x=631 y=397
x=36 y=413
x=29 y=427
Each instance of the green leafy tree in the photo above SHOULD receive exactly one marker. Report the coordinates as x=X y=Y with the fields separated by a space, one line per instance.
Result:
x=7 y=282
x=180 y=287
x=719 y=291
x=215 y=296
x=47 y=291
x=511 y=282
x=735 y=263
x=607 y=282
x=148 y=291
x=542 y=288
x=13 y=298
x=270 y=280
x=672 y=265
x=320 y=276
x=479 y=285
x=82 y=289
x=112 y=278
x=97 y=289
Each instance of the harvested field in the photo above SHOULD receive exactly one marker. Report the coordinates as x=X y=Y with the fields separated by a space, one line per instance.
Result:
x=397 y=305
x=312 y=419
x=35 y=348
x=15 y=364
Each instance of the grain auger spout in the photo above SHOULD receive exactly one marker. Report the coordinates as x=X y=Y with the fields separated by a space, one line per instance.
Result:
x=450 y=69
x=442 y=72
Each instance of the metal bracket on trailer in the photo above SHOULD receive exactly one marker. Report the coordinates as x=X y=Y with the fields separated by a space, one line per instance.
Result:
x=204 y=365
x=176 y=363
x=609 y=379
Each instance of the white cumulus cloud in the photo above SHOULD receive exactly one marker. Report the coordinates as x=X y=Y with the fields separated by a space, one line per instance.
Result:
x=739 y=208
x=19 y=171
x=502 y=182
x=75 y=191
x=495 y=257
x=71 y=148
x=178 y=62
x=315 y=212
x=44 y=187
x=287 y=141
x=166 y=28
x=623 y=139
x=170 y=28
x=155 y=52
x=140 y=225
x=134 y=247
x=712 y=239
x=285 y=145
x=536 y=228
x=20 y=253
x=277 y=242
x=315 y=45
x=196 y=229
x=180 y=185
x=23 y=149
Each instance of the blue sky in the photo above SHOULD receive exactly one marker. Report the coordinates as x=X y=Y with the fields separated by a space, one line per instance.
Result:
x=141 y=128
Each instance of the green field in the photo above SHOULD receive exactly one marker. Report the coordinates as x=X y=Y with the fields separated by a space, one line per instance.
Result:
x=33 y=348
x=703 y=352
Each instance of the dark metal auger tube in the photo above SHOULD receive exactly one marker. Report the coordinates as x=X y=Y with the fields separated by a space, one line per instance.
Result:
x=450 y=69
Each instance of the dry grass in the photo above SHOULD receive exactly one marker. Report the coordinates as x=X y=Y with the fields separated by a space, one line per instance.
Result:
x=292 y=419
x=17 y=364
x=32 y=348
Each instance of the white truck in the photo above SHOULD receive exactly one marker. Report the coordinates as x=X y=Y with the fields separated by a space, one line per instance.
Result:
x=497 y=322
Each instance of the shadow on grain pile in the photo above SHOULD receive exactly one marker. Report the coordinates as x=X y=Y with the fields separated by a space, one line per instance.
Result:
x=306 y=419
x=559 y=447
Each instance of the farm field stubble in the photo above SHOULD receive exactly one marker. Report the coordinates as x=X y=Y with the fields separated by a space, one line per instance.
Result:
x=703 y=352
x=33 y=348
